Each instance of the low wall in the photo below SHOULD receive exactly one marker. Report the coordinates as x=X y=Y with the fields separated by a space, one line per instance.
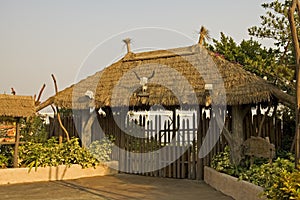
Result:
x=231 y=186
x=62 y=172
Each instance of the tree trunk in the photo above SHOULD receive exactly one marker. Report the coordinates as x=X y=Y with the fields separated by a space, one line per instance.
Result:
x=237 y=136
x=295 y=6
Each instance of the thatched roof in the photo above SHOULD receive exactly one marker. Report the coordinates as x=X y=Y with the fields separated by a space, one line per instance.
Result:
x=16 y=106
x=179 y=77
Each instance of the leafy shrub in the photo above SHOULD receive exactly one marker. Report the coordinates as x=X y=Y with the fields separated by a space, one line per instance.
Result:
x=289 y=187
x=269 y=176
x=221 y=162
x=33 y=129
x=53 y=154
x=3 y=161
x=279 y=179
x=6 y=156
x=101 y=149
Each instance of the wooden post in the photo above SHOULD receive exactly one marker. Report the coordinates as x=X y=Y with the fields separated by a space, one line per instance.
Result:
x=238 y=114
x=87 y=122
x=17 y=141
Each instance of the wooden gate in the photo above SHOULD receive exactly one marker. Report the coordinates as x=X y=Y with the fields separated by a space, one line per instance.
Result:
x=159 y=147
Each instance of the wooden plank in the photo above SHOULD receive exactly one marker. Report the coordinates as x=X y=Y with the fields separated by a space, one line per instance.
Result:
x=194 y=147
x=147 y=148
x=159 y=156
x=165 y=153
x=178 y=153
x=182 y=153
x=200 y=134
x=151 y=147
x=189 y=152
x=155 y=143
x=169 y=152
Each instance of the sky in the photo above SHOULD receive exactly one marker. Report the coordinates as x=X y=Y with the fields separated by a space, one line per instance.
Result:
x=76 y=38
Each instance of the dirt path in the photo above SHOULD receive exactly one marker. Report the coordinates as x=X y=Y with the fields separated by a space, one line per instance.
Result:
x=116 y=187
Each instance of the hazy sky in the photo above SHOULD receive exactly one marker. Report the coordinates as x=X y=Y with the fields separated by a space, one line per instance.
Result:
x=41 y=37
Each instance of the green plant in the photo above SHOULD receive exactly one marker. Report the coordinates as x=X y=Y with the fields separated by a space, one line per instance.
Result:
x=51 y=153
x=33 y=129
x=221 y=163
x=3 y=161
x=269 y=175
x=6 y=156
x=290 y=187
x=101 y=149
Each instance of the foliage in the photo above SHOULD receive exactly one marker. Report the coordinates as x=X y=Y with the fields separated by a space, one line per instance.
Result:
x=276 y=178
x=33 y=129
x=290 y=186
x=3 y=161
x=266 y=174
x=221 y=162
x=6 y=156
x=279 y=179
x=53 y=154
x=275 y=26
x=288 y=116
x=101 y=149
x=256 y=59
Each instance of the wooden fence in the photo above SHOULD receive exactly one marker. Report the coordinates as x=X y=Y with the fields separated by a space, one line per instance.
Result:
x=163 y=148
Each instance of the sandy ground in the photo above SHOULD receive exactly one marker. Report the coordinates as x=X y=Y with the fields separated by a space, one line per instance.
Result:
x=121 y=186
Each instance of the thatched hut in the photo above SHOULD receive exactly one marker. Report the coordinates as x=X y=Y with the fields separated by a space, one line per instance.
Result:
x=242 y=87
x=174 y=78
x=16 y=107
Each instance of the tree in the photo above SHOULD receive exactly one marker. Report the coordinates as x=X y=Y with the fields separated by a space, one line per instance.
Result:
x=295 y=6
x=254 y=58
x=262 y=61
x=275 y=26
x=282 y=24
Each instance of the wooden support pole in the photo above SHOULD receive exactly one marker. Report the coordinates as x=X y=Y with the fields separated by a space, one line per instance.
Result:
x=17 y=141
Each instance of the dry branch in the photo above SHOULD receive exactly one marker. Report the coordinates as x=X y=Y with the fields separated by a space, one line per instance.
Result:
x=58 y=115
x=37 y=101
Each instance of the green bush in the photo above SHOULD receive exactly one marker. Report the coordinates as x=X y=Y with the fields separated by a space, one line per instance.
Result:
x=6 y=156
x=101 y=149
x=289 y=187
x=267 y=174
x=279 y=179
x=51 y=153
x=3 y=161
x=221 y=162
x=33 y=129
x=275 y=178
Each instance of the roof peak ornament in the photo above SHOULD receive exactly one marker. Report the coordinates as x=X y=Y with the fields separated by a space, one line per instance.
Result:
x=204 y=35
x=127 y=42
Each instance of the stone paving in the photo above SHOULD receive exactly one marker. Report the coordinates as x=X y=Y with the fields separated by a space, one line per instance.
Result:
x=120 y=186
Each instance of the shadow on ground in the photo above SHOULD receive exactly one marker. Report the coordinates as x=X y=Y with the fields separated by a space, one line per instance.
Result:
x=121 y=186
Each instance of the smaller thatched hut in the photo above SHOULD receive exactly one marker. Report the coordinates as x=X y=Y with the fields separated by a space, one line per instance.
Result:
x=16 y=107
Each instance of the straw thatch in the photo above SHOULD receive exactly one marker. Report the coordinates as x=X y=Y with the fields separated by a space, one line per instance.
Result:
x=16 y=106
x=179 y=78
